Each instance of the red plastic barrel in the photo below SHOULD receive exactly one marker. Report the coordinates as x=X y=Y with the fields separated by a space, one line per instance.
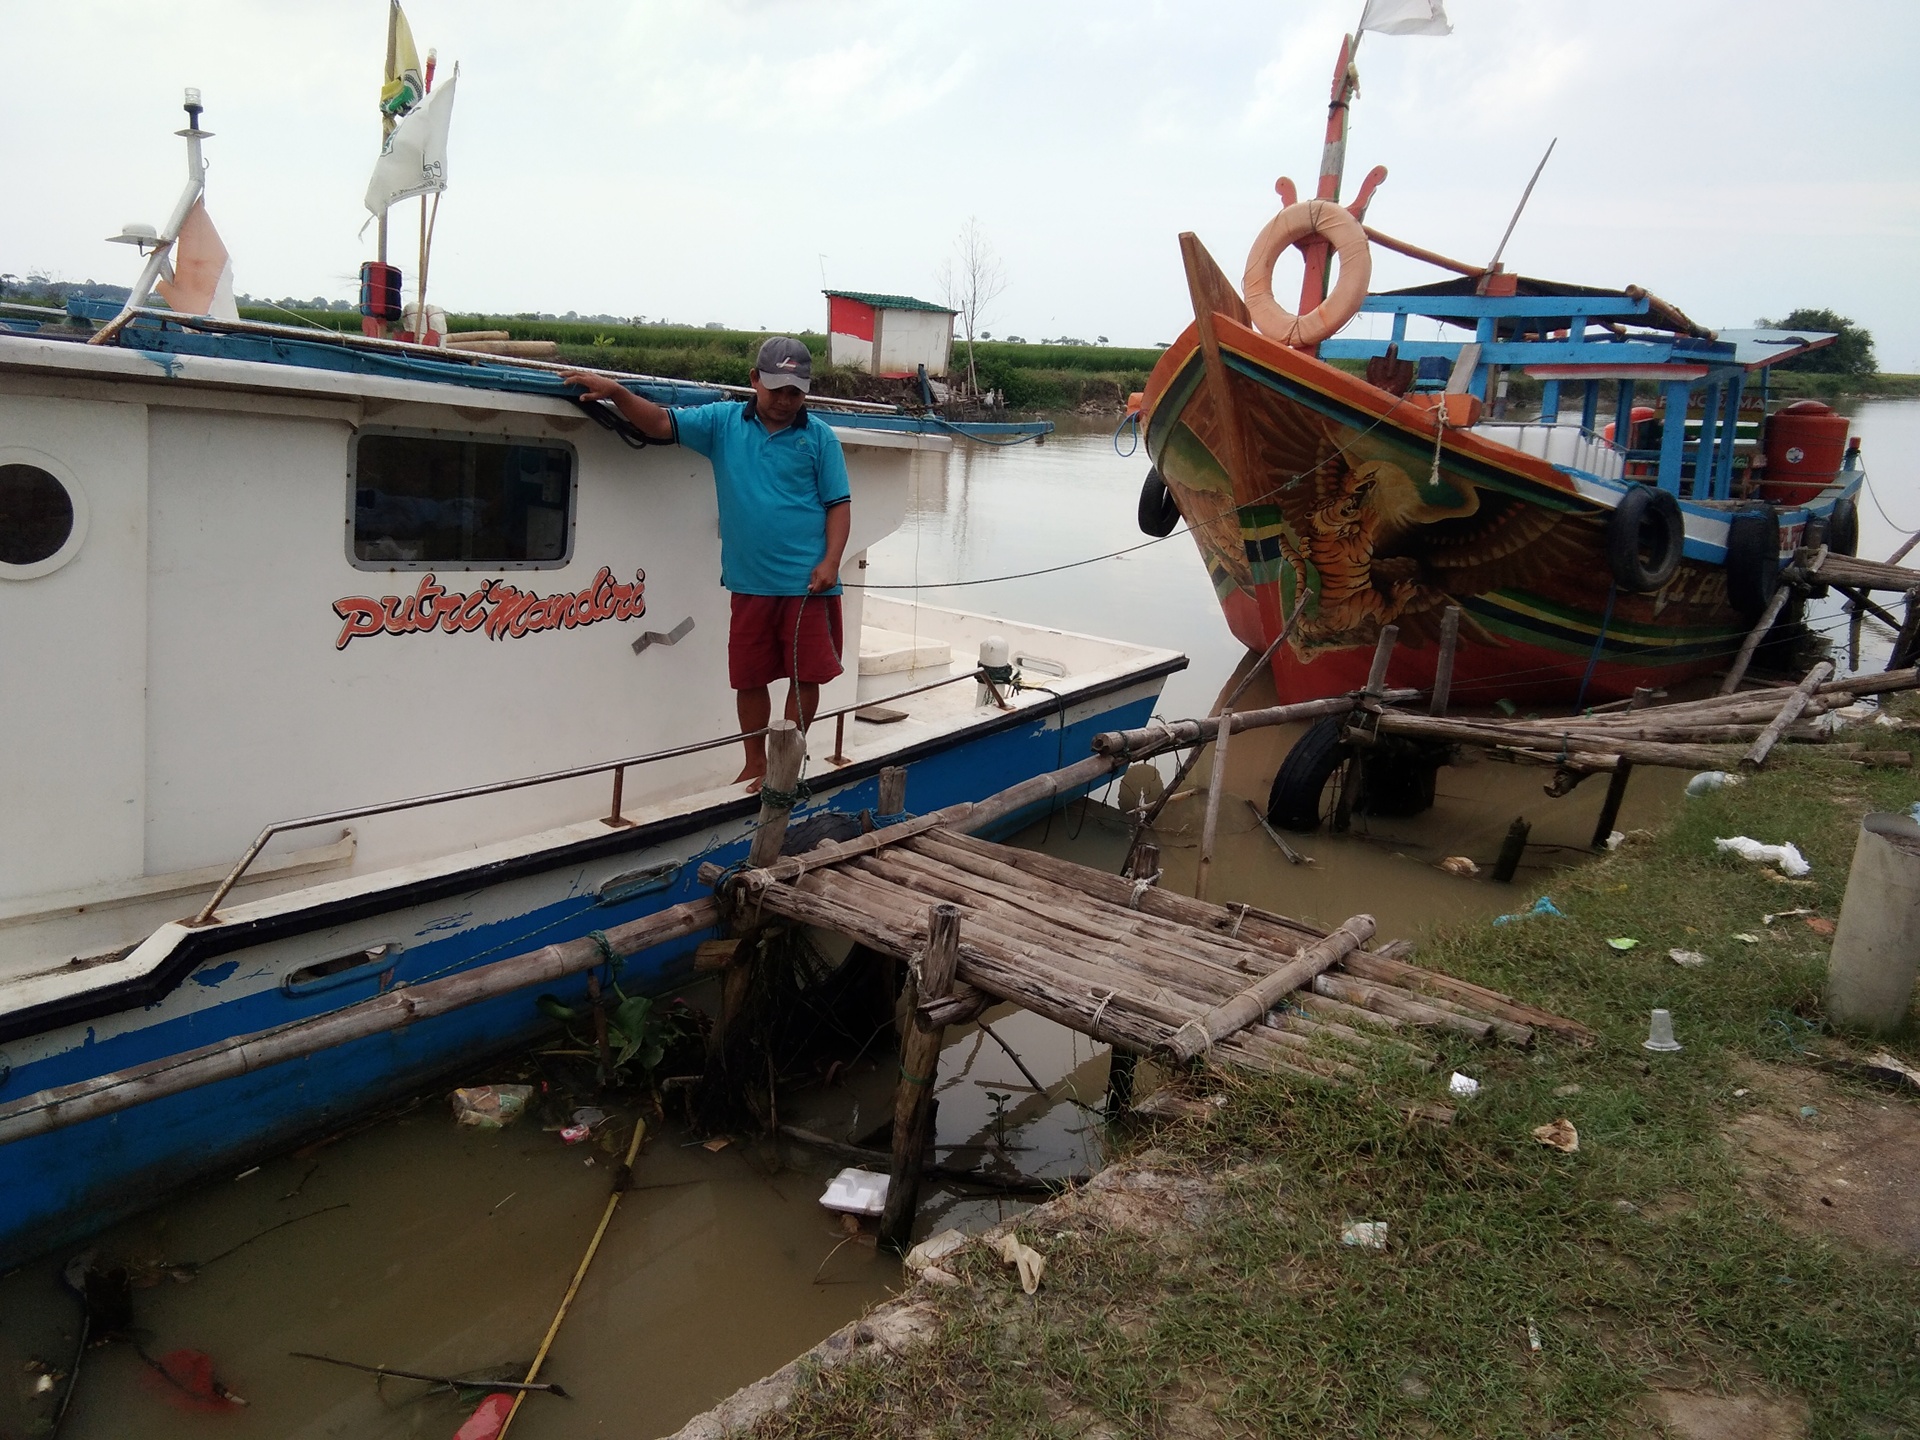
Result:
x=1806 y=443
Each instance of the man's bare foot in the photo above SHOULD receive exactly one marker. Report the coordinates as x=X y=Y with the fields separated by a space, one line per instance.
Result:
x=752 y=779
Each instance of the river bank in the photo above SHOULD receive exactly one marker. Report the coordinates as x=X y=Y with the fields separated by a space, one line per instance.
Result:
x=1736 y=1241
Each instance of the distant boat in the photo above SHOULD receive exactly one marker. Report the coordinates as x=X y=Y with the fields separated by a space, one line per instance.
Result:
x=1602 y=546
x=335 y=664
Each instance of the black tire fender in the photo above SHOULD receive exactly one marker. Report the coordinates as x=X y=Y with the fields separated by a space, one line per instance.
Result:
x=1644 y=537
x=1159 y=511
x=1839 y=531
x=1753 y=560
x=1294 y=802
x=1843 y=527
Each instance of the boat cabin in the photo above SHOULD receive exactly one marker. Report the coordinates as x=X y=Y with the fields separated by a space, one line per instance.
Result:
x=1601 y=356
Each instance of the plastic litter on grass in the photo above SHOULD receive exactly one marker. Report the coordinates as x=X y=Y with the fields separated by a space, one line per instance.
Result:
x=1707 y=781
x=1787 y=856
x=1660 y=1034
x=1543 y=906
x=1365 y=1234
x=1028 y=1261
x=1560 y=1134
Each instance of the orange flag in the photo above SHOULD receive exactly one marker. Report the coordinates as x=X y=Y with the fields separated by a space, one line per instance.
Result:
x=202 y=282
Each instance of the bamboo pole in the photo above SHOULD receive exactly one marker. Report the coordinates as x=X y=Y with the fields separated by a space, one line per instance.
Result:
x=1857 y=598
x=1387 y=1000
x=1477 y=999
x=1150 y=917
x=1216 y=786
x=1178 y=734
x=832 y=852
x=1382 y=653
x=1253 y=1002
x=1737 y=671
x=996 y=808
x=1691 y=757
x=106 y=1094
x=1443 y=670
x=1869 y=574
x=1197 y=971
x=1796 y=702
x=593 y=1247
x=786 y=750
x=919 y=1067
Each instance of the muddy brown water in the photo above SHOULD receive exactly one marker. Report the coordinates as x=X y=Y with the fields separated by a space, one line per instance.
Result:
x=430 y=1247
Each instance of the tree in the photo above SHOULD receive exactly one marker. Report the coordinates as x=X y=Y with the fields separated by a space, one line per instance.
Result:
x=1851 y=354
x=971 y=279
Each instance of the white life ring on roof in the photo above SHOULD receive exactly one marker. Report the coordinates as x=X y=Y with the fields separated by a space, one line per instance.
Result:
x=1332 y=222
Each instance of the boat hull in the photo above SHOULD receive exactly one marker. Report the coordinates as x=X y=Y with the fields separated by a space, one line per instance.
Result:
x=1360 y=511
x=59 y=1186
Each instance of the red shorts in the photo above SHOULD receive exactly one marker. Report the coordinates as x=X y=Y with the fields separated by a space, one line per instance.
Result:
x=762 y=644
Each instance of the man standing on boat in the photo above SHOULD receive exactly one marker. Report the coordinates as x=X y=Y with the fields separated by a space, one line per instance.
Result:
x=784 y=513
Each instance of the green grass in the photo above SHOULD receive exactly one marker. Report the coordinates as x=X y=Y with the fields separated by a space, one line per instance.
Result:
x=1032 y=377
x=1809 y=385
x=1274 y=1328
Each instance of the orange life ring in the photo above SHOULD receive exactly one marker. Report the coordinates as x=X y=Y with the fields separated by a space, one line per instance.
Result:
x=1331 y=221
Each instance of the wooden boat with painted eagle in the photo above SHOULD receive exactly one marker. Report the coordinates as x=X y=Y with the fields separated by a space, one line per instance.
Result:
x=1600 y=545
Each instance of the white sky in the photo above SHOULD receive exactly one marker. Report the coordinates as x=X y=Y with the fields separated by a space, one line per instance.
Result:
x=1737 y=157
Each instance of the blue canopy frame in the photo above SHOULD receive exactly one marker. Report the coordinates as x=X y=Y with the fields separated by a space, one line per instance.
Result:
x=1547 y=334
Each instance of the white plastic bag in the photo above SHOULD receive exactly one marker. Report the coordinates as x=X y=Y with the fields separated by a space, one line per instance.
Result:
x=1787 y=856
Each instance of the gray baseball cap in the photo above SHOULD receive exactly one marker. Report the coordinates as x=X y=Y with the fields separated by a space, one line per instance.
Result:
x=785 y=361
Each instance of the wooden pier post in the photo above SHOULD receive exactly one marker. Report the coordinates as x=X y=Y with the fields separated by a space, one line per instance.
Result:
x=1907 y=644
x=1511 y=849
x=1216 y=784
x=919 y=1068
x=893 y=791
x=1610 y=810
x=1142 y=865
x=1382 y=653
x=786 y=750
x=1443 y=670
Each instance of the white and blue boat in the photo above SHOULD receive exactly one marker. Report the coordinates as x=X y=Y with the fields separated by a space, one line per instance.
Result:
x=335 y=665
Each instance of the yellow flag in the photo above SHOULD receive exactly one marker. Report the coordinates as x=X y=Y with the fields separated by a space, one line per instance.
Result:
x=403 y=87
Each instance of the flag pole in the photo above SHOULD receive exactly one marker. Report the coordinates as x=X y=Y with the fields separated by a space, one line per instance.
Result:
x=422 y=331
x=386 y=120
x=1333 y=164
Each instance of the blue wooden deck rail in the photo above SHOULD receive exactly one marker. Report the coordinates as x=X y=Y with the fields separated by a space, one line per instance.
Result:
x=1520 y=331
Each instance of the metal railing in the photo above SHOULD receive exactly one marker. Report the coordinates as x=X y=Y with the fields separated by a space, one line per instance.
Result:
x=618 y=769
x=352 y=340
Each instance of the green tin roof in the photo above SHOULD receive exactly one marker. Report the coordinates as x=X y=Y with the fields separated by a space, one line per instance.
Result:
x=889 y=302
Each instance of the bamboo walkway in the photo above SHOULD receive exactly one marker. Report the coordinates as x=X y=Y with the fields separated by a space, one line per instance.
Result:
x=1125 y=962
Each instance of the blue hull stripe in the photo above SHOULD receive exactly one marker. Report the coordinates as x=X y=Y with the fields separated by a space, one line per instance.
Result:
x=58 y=1186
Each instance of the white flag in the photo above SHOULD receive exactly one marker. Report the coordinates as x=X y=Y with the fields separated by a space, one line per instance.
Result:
x=1406 y=17
x=414 y=159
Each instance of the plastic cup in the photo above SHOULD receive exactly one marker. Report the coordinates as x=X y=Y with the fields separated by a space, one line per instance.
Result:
x=1660 y=1033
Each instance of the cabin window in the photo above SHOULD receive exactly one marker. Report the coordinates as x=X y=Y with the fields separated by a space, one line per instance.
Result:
x=460 y=502
x=36 y=515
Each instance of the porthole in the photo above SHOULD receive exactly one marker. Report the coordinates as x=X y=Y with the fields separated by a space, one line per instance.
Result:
x=43 y=517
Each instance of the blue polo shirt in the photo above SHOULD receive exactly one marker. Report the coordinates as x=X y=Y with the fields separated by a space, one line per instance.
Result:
x=775 y=490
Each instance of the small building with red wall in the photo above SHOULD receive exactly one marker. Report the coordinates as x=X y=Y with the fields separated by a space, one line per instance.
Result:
x=888 y=334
